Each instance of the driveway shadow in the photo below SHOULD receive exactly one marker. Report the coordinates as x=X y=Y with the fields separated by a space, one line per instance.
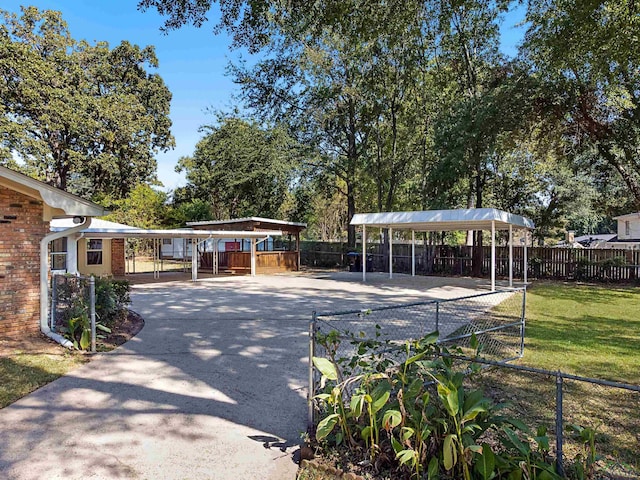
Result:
x=213 y=387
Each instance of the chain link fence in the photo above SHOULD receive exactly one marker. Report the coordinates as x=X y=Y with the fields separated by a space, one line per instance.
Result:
x=495 y=318
x=72 y=297
x=575 y=410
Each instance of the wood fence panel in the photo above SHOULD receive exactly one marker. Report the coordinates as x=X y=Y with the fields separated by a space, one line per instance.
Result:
x=616 y=265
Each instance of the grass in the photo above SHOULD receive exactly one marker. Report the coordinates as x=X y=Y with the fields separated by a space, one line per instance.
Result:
x=593 y=331
x=21 y=374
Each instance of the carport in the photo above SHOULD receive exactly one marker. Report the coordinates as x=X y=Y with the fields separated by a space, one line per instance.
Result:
x=196 y=236
x=442 y=221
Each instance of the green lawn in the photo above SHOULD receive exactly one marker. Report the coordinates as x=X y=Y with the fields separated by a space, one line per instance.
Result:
x=586 y=330
x=593 y=331
x=23 y=373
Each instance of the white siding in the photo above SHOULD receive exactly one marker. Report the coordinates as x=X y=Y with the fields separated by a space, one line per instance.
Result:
x=634 y=229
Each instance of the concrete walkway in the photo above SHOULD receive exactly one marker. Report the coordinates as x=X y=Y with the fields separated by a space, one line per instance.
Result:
x=212 y=388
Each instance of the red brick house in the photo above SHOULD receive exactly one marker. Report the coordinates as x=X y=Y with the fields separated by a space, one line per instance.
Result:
x=26 y=208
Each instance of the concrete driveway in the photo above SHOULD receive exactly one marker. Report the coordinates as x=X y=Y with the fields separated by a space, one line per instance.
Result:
x=213 y=387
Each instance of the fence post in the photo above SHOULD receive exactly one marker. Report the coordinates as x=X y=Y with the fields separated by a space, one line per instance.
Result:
x=92 y=311
x=437 y=316
x=311 y=393
x=54 y=302
x=523 y=320
x=559 y=433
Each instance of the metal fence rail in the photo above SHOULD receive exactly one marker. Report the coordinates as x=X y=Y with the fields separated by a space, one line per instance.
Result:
x=560 y=400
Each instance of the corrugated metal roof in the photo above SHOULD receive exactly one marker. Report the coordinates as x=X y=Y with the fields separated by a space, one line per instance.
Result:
x=444 y=220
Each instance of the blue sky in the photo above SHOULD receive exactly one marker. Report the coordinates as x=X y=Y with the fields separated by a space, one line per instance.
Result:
x=192 y=61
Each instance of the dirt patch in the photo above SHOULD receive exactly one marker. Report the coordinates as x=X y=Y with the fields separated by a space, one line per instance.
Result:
x=121 y=332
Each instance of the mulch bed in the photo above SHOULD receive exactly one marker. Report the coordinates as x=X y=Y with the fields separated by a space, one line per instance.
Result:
x=37 y=343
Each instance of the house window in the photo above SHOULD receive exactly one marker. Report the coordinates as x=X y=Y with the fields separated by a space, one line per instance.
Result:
x=94 y=251
x=58 y=255
x=627 y=228
x=166 y=241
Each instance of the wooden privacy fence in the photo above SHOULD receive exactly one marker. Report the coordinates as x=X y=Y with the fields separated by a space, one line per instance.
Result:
x=543 y=262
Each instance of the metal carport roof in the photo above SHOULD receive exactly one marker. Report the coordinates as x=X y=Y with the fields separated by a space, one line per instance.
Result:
x=444 y=220
x=105 y=229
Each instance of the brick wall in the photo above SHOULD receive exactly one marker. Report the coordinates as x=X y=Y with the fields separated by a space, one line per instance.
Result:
x=117 y=256
x=21 y=229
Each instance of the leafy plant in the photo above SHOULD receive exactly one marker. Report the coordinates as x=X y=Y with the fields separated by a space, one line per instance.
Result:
x=585 y=462
x=414 y=402
x=112 y=298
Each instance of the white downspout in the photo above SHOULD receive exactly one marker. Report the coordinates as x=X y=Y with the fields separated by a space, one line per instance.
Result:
x=44 y=280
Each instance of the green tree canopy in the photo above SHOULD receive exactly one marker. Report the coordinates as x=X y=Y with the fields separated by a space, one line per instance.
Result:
x=242 y=169
x=412 y=105
x=82 y=117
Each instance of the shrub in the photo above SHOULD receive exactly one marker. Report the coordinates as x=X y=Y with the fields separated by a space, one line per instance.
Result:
x=112 y=299
x=417 y=415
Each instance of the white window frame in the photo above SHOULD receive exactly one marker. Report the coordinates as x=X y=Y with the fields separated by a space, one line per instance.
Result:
x=53 y=253
x=95 y=250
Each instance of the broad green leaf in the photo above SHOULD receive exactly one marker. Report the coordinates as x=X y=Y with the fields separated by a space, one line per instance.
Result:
x=406 y=433
x=473 y=342
x=391 y=419
x=519 y=424
x=515 y=474
x=407 y=457
x=85 y=339
x=473 y=412
x=379 y=402
x=544 y=475
x=543 y=442
x=415 y=358
x=326 y=368
x=475 y=448
x=449 y=453
x=434 y=469
x=516 y=442
x=357 y=401
x=397 y=446
x=429 y=339
x=325 y=426
x=99 y=326
x=449 y=399
x=365 y=434
x=485 y=464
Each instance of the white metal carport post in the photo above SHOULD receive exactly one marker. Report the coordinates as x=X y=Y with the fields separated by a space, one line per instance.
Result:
x=390 y=252
x=413 y=253
x=493 y=255
x=364 y=253
x=510 y=255
x=253 y=257
x=194 y=260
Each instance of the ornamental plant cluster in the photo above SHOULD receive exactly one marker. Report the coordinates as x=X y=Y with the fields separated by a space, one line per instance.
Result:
x=416 y=417
x=112 y=300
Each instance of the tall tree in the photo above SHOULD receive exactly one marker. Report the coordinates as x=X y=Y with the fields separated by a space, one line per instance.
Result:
x=241 y=169
x=83 y=117
x=588 y=53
